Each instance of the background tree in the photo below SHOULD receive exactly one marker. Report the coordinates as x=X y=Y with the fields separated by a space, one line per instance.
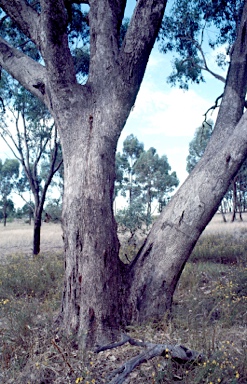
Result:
x=99 y=109
x=142 y=176
x=152 y=174
x=7 y=209
x=125 y=162
x=32 y=137
x=198 y=144
x=27 y=210
x=9 y=173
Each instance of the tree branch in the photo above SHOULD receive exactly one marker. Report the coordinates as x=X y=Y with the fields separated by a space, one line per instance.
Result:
x=177 y=353
x=205 y=67
x=105 y=19
x=27 y=71
x=24 y=16
x=54 y=45
x=138 y=41
x=214 y=106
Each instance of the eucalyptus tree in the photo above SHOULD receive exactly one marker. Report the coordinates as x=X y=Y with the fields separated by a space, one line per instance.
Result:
x=31 y=135
x=101 y=294
x=126 y=161
x=154 y=178
x=9 y=173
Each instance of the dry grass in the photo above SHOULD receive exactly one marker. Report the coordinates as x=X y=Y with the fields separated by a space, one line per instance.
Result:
x=17 y=237
x=209 y=316
x=217 y=226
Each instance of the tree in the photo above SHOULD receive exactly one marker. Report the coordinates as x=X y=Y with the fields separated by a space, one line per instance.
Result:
x=198 y=144
x=9 y=173
x=132 y=150
x=8 y=209
x=152 y=173
x=35 y=144
x=101 y=294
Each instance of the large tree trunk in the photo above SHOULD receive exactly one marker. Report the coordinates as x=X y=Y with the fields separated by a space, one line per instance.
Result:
x=92 y=298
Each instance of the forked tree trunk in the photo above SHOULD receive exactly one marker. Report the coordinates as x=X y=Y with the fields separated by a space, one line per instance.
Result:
x=100 y=293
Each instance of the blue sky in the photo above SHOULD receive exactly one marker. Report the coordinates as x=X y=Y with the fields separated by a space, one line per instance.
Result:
x=166 y=117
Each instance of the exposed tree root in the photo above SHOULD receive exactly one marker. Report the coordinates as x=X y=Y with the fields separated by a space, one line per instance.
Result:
x=177 y=353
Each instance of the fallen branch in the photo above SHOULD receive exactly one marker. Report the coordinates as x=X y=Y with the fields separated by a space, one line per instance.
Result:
x=177 y=353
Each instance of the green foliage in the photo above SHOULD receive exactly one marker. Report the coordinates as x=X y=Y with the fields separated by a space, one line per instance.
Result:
x=198 y=144
x=152 y=174
x=143 y=175
x=54 y=209
x=9 y=208
x=9 y=172
x=133 y=222
x=125 y=172
x=191 y=27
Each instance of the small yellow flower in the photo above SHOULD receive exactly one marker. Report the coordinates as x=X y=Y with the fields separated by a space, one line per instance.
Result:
x=78 y=380
x=237 y=375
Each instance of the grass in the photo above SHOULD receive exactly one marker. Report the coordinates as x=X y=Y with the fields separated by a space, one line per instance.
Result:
x=17 y=237
x=209 y=315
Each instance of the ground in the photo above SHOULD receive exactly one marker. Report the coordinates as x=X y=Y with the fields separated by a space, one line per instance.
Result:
x=209 y=314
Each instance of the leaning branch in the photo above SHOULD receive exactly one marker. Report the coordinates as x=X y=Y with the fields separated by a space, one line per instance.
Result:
x=177 y=353
x=138 y=41
x=27 y=71
x=24 y=16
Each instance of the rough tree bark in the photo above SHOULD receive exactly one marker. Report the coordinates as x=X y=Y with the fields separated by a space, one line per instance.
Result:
x=100 y=293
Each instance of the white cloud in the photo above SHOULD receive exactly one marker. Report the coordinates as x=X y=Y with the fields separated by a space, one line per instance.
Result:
x=170 y=113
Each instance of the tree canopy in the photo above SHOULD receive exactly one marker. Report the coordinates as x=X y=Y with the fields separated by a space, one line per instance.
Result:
x=190 y=29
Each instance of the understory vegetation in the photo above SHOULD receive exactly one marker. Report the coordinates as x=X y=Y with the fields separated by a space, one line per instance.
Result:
x=209 y=316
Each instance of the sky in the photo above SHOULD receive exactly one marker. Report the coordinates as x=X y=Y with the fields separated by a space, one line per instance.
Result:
x=166 y=117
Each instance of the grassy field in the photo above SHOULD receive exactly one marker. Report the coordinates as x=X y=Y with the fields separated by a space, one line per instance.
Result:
x=16 y=237
x=209 y=314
